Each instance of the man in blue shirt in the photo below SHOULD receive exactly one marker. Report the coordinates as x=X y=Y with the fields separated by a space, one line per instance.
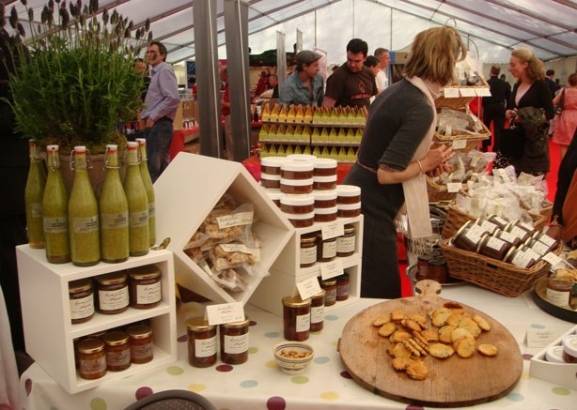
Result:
x=305 y=85
x=160 y=108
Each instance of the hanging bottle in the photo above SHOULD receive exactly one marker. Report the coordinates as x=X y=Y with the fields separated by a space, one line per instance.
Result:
x=113 y=212
x=149 y=190
x=139 y=241
x=54 y=211
x=33 y=197
x=83 y=214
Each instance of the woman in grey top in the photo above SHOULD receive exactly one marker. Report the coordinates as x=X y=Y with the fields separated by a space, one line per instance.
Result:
x=395 y=155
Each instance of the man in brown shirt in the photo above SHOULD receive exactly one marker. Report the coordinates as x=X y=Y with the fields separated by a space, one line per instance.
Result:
x=352 y=84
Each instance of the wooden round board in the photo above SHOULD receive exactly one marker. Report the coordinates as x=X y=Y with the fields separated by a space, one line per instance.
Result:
x=450 y=383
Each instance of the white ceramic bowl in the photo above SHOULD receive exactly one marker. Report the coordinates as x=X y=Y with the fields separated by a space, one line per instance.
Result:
x=291 y=365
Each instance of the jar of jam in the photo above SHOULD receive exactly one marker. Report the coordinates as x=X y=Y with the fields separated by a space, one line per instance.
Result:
x=297 y=204
x=515 y=229
x=327 y=250
x=434 y=268
x=570 y=348
x=145 y=287
x=297 y=170
x=487 y=226
x=271 y=165
x=494 y=247
x=301 y=220
x=325 y=183
x=117 y=351
x=325 y=214
x=349 y=211
x=270 y=181
x=521 y=257
x=113 y=295
x=318 y=312
x=469 y=237
x=330 y=288
x=546 y=239
x=201 y=343
x=301 y=157
x=343 y=287
x=508 y=237
x=234 y=342
x=275 y=195
x=347 y=244
x=348 y=194
x=296 y=186
x=325 y=199
x=539 y=247
x=91 y=358
x=559 y=290
x=140 y=339
x=325 y=167
x=308 y=250
x=497 y=220
x=81 y=301
x=296 y=318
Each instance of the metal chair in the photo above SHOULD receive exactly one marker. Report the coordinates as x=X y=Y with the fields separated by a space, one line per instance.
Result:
x=172 y=400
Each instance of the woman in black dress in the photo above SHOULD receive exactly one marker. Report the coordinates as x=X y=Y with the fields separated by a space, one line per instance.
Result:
x=395 y=154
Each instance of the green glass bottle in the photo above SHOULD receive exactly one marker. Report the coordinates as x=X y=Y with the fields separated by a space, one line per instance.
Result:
x=83 y=214
x=113 y=205
x=137 y=204
x=33 y=197
x=149 y=190
x=54 y=211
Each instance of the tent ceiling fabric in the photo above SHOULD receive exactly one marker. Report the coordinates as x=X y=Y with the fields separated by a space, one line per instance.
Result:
x=495 y=26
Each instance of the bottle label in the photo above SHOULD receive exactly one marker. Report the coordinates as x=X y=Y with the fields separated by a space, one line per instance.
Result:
x=113 y=299
x=303 y=323
x=55 y=225
x=147 y=294
x=36 y=210
x=317 y=314
x=329 y=249
x=81 y=308
x=139 y=219
x=85 y=225
x=205 y=347
x=114 y=221
x=346 y=244
x=559 y=298
x=236 y=344
x=308 y=255
x=151 y=210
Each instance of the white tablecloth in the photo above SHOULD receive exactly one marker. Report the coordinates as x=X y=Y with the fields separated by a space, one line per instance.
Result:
x=258 y=384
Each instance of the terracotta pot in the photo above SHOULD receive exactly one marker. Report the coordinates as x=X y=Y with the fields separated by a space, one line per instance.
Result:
x=96 y=171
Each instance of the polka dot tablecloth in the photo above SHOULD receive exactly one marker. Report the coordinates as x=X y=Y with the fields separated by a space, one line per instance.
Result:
x=260 y=385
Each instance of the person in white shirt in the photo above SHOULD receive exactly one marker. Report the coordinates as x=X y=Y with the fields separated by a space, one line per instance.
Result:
x=382 y=79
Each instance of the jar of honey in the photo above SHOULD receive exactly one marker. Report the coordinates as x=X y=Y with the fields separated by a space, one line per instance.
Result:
x=234 y=342
x=91 y=358
x=296 y=318
x=201 y=343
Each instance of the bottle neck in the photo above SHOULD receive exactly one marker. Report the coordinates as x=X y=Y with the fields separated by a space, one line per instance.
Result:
x=53 y=161
x=142 y=150
x=80 y=164
x=33 y=152
x=132 y=158
x=112 y=161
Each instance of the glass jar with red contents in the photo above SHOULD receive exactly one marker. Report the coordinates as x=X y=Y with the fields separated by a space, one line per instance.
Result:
x=348 y=194
x=201 y=343
x=296 y=186
x=270 y=181
x=296 y=318
x=140 y=339
x=343 y=287
x=308 y=250
x=117 y=351
x=297 y=170
x=325 y=183
x=81 y=301
x=145 y=287
x=325 y=167
x=113 y=295
x=301 y=220
x=91 y=359
x=347 y=244
x=297 y=204
x=271 y=165
x=349 y=210
x=234 y=342
x=325 y=199
x=327 y=249
x=330 y=288
x=326 y=214
x=318 y=312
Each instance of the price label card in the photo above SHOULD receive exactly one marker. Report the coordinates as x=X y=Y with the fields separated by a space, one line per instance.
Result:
x=238 y=219
x=331 y=269
x=225 y=313
x=332 y=230
x=483 y=92
x=451 y=92
x=309 y=287
x=459 y=144
x=306 y=273
x=453 y=187
x=467 y=92
x=552 y=259
x=539 y=336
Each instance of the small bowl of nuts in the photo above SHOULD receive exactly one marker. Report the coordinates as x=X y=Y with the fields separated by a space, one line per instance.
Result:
x=293 y=357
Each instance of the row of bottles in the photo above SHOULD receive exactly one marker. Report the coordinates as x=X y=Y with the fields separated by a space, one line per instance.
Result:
x=274 y=132
x=81 y=228
x=341 y=154
x=337 y=136
x=299 y=114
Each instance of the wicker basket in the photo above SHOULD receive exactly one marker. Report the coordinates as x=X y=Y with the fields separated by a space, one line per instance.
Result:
x=438 y=193
x=499 y=277
x=459 y=103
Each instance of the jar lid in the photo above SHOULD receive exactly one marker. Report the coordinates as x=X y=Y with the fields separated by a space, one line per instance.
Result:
x=297 y=182
x=330 y=178
x=269 y=177
x=349 y=228
x=511 y=254
x=301 y=157
x=297 y=200
x=79 y=286
x=198 y=324
x=325 y=163
x=570 y=345
x=139 y=331
x=329 y=282
x=328 y=195
x=466 y=225
x=326 y=211
x=309 y=238
x=555 y=354
x=90 y=345
x=301 y=217
x=115 y=338
x=117 y=278
x=295 y=302
x=297 y=166
x=274 y=194
x=145 y=272
x=321 y=294
x=349 y=207
x=236 y=325
x=272 y=161
x=348 y=190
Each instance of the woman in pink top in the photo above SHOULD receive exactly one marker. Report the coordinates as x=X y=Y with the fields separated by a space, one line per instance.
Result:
x=566 y=123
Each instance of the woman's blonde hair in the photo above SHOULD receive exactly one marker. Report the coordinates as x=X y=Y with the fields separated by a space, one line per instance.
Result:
x=434 y=54
x=535 y=67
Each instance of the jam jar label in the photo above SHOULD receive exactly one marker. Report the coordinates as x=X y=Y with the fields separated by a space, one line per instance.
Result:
x=205 y=347
x=84 y=225
x=114 y=221
x=508 y=237
x=540 y=248
x=236 y=344
x=495 y=243
x=308 y=255
x=139 y=219
x=113 y=299
x=329 y=249
x=118 y=358
x=55 y=225
x=474 y=234
x=346 y=244
x=147 y=294
x=518 y=232
x=94 y=366
x=557 y=297
x=303 y=323
x=522 y=259
x=81 y=308
x=317 y=314
x=547 y=240
x=141 y=352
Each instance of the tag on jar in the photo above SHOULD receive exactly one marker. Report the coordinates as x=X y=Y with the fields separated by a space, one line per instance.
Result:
x=225 y=313
x=332 y=230
x=459 y=144
x=454 y=187
x=309 y=288
x=553 y=260
x=331 y=269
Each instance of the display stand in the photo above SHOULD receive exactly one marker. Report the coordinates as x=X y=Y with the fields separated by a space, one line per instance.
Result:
x=187 y=192
x=50 y=334
x=286 y=271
